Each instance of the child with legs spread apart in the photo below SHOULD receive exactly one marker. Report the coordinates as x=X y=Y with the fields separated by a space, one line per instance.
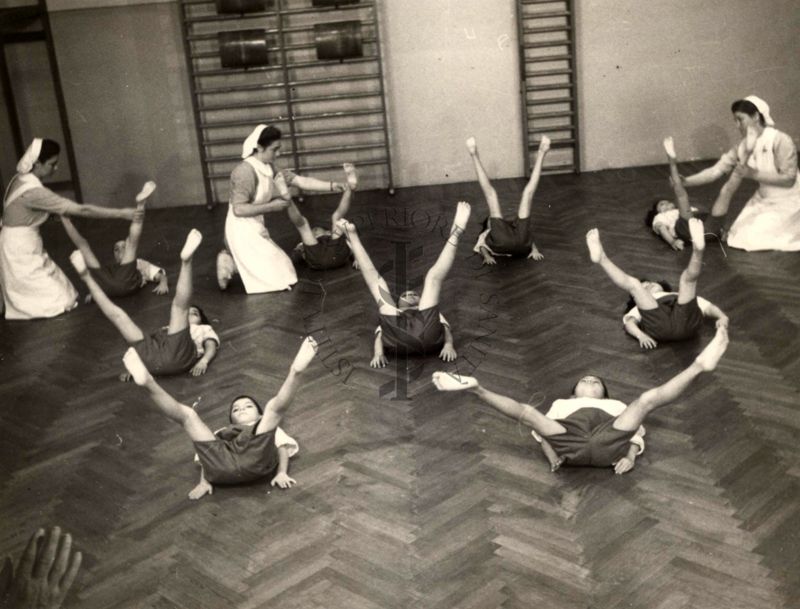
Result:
x=671 y=223
x=655 y=313
x=127 y=274
x=324 y=249
x=252 y=446
x=502 y=237
x=588 y=428
x=413 y=323
x=187 y=343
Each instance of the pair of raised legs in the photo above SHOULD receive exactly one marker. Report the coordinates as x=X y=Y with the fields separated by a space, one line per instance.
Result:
x=630 y=420
x=434 y=278
x=179 y=311
x=490 y=194
x=723 y=201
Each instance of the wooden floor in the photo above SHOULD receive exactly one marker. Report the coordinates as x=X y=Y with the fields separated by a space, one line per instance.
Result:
x=410 y=498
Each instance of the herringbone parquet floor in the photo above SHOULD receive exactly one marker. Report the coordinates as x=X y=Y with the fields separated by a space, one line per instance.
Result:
x=409 y=498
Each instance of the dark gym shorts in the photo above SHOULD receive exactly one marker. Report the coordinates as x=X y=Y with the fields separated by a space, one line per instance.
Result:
x=672 y=321
x=118 y=279
x=513 y=238
x=682 y=227
x=591 y=439
x=166 y=354
x=420 y=331
x=246 y=458
x=328 y=253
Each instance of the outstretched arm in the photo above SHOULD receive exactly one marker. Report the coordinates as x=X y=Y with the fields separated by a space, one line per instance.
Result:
x=202 y=489
x=645 y=340
x=282 y=478
x=209 y=352
x=448 y=353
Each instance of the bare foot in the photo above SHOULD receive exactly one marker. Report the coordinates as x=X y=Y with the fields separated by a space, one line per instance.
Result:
x=710 y=356
x=472 y=146
x=669 y=147
x=225 y=268
x=697 y=232
x=79 y=262
x=444 y=381
x=463 y=210
x=750 y=140
x=135 y=366
x=193 y=240
x=596 y=252
x=544 y=144
x=306 y=353
x=147 y=190
x=352 y=176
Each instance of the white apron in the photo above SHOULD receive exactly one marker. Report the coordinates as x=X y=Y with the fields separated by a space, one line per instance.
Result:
x=262 y=265
x=32 y=284
x=771 y=218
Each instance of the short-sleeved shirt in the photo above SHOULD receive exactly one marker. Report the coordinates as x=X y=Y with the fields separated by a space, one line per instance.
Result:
x=783 y=149
x=32 y=207
x=200 y=334
x=668 y=219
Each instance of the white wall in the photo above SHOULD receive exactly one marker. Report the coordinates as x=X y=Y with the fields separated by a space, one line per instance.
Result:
x=650 y=69
x=451 y=71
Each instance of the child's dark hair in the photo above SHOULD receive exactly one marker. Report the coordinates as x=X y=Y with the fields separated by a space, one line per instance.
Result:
x=749 y=108
x=269 y=135
x=652 y=212
x=665 y=285
x=49 y=149
x=602 y=382
x=203 y=318
x=240 y=397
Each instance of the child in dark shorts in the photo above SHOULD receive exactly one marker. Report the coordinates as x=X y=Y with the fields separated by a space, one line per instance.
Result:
x=589 y=429
x=324 y=249
x=187 y=343
x=413 y=323
x=252 y=446
x=670 y=220
x=501 y=237
x=660 y=314
x=127 y=274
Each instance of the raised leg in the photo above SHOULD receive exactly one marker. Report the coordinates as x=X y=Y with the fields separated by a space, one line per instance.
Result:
x=135 y=230
x=662 y=395
x=277 y=406
x=525 y=201
x=681 y=196
x=377 y=285
x=179 y=312
x=687 y=288
x=437 y=273
x=518 y=411
x=347 y=197
x=185 y=416
x=301 y=224
x=80 y=242
x=129 y=330
x=489 y=193
x=642 y=298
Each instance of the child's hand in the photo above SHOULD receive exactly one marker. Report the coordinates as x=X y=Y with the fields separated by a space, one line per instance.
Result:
x=677 y=245
x=535 y=255
x=722 y=322
x=645 y=342
x=448 y=354
x=161 y=289
x=556 y=465
x=623 y=465
x=379 y=361
x=283 y=480
x=356 y=265
x=200 y=368
x=202 y=489
x=489 y=260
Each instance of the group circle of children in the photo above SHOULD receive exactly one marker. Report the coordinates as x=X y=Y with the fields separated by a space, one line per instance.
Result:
x=586 y=428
